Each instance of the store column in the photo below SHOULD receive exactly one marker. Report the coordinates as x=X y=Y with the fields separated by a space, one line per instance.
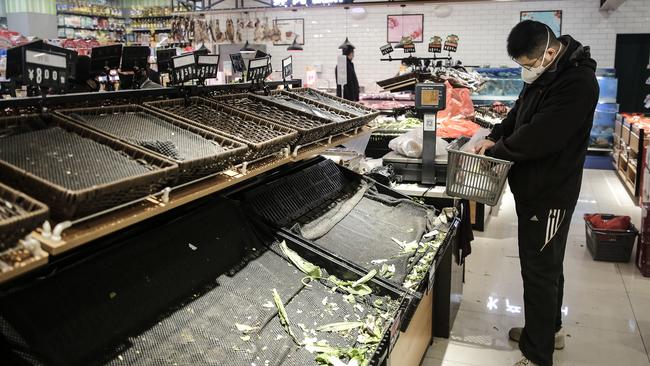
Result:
x=33 y=17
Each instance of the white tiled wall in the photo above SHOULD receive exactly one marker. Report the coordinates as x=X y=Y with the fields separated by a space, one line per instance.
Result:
x=482 y=28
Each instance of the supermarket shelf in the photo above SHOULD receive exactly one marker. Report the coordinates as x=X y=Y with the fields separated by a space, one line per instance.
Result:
x=88 y=14
x=153 y=17
x=93 y=29
x=100 y=226
x=142 y=30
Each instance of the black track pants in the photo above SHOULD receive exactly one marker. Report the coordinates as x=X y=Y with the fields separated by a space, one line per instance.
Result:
x=542 y=238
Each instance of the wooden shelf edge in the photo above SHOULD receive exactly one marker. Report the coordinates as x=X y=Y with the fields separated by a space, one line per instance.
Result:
x=25 y=267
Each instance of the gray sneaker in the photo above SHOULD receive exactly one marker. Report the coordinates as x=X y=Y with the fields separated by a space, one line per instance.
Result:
x=515 y=335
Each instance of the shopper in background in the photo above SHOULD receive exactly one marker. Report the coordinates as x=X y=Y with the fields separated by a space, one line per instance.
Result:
x=546 y=136
x=351 y=88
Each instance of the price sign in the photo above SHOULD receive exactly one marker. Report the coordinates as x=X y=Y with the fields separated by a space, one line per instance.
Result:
x=386 y=49
x=409 y=48
x=207 y=66
x=435 y=44
x=287 y=68
x=45 y=68
x=451 y=44
x=258 y=69
x=237 y=63
x=183 y=68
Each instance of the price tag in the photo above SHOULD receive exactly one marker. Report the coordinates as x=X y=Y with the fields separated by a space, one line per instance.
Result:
x=435 y=44
x=207 y=66
x=45 y=68
x=183 y=68
x=429 y=122
x=258 y=69
x=287 y=68
x=409 y=48
x=386 y=49
x=451 y=44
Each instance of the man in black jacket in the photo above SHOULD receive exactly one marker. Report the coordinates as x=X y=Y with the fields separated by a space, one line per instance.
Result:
x=351 y=88
x=546 y=135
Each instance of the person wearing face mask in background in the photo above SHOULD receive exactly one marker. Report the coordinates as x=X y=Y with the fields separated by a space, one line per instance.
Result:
x=350 y=91
x=546 y=135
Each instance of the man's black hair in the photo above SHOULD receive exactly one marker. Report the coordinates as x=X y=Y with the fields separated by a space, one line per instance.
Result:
x=528 y=38
x=348 y=50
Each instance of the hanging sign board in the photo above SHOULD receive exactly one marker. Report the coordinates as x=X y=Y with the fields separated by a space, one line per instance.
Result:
x=451 y=44
x=207 y=66
x=386 y=49
x=45 y=68
x=435 y=44
x=258 y=69
x=287 y=68
x=409 y=48
x=342 y=70
x=183 y=68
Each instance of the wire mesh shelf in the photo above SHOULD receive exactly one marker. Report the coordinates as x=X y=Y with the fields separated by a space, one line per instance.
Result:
x=262 y=137
x=196 y=151
x=333 y=101
x=310 y=128
x=475 y=177
x=73 y=170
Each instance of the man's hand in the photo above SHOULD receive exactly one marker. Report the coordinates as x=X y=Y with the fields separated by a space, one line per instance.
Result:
x=483 y=145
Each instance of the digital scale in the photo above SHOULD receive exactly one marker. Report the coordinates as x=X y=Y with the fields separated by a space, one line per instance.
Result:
x=429 y=99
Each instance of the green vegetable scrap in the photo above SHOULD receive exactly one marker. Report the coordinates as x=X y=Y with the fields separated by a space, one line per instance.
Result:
x=311 y=270
x=360 y=290
x=365 y=278
x=284 y=318
x=421 y=268
x=339 y=327
x=387 y=270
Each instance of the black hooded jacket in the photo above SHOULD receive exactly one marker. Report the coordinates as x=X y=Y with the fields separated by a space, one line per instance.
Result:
x=546 y=134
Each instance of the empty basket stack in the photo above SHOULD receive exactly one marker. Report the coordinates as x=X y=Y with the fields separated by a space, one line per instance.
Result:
x=310 y=128
x=196 y=151
x=262 y=137
x=73 y=170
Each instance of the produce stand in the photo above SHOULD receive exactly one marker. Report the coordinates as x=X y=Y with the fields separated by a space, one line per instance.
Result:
x=138 y=282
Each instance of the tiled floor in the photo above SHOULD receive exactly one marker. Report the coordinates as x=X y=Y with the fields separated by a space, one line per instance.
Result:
x=606 y=305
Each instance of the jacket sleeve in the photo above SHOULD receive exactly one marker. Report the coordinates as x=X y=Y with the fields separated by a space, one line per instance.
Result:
x=563 y=114
x=505 y=128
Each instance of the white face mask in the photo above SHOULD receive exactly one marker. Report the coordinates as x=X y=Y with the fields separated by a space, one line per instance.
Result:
x=529 y=75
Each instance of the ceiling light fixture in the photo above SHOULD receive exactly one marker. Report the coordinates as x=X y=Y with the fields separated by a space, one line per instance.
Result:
x=346 y=43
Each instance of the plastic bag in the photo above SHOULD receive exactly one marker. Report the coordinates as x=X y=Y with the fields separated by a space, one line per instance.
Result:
x=459 y=103
x=410 y=144
x=478 y=136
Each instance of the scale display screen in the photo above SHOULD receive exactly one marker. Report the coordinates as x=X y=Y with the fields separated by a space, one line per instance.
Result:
x=430 y=98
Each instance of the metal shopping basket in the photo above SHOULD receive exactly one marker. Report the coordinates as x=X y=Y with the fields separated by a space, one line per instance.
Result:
x=474 y=177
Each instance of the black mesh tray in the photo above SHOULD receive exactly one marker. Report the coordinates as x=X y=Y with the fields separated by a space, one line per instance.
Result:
x=286 y=201
x=356 y=109
x=198 y=272
x=19 y=215
x=196 y=151
x=310 y=128
x=96 y=172
x=262 y=137
x=344 y=120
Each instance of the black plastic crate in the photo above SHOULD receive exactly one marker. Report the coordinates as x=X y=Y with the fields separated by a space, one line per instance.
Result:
x=610 y=245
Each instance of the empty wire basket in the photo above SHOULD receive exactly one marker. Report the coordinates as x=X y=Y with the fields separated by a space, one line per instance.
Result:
x=356 y=109
x=73 y=170
x=310 y=128
x=262 y=137
x=475 y=177
x=19 y=215
x=196 y=151
x=344 y=120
